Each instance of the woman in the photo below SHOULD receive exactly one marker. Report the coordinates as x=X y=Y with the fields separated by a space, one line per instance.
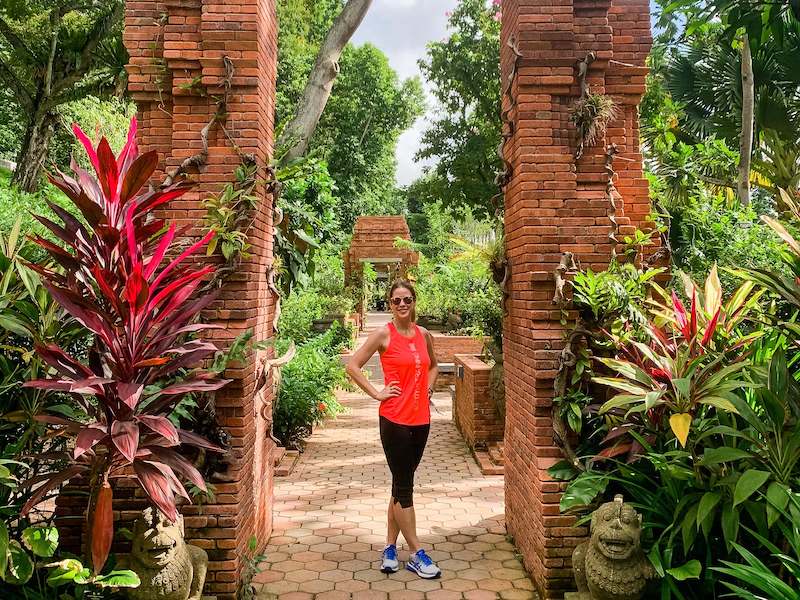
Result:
x=409 y=368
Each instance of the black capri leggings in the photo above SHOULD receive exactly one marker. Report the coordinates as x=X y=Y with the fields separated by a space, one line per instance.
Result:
x=403 y=446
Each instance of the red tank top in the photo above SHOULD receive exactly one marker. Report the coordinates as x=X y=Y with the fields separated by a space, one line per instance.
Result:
x=406 y=361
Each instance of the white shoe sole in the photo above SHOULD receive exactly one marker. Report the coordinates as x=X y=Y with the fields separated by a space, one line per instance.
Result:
x=388 y=569
x=413 y=569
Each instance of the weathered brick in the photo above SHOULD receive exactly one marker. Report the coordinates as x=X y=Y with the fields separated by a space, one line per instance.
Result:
x=554 y=204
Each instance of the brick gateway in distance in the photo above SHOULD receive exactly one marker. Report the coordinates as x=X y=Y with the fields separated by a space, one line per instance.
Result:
x=374 y=243
x=186 y=54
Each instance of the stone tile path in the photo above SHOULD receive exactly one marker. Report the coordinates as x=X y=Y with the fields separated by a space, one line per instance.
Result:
x=330 y=519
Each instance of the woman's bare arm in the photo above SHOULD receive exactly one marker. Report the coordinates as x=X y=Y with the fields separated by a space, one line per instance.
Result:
x=377 y=341
x=433 y=372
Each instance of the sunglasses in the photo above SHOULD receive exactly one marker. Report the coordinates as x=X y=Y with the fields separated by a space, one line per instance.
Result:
x=406 y=300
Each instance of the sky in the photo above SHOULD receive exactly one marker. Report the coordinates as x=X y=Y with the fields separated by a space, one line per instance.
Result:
x=402 y=28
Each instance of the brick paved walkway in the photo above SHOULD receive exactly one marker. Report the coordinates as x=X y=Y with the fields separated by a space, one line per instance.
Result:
x=330 y=519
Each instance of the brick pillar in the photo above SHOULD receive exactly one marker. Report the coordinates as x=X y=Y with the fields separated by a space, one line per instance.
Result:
x=178 y=55
x=553 y=205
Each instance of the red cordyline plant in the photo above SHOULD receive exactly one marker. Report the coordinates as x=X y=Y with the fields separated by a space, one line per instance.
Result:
x=123 y=284
x=694 y=359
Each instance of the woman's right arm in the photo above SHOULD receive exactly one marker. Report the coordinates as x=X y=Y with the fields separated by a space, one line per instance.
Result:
x=374 y=343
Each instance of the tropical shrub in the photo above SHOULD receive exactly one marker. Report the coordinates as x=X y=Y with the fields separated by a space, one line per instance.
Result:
x=28 y=316
x=611 y=301
x=691 y=362
x=140 y=306
x=32 y=568
x=783 y=282
x=774 y=571
x=702 y=435
x=308 y=384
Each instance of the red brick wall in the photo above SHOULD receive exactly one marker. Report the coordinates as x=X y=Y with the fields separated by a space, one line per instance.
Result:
x=447 y=346
x=473 y=412
x=173 y=43
x=554 y=205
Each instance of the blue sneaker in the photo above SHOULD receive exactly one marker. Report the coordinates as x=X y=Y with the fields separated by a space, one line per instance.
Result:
x=421 y=564
x=390 y=564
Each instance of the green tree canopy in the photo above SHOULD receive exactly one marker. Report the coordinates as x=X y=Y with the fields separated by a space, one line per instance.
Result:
x=53 y=52
x=464 y=73
x=358 y=132
x=366 y=113
x=691 y=115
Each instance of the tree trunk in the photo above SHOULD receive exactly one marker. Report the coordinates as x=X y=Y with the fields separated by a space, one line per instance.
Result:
x=746 y=138
x=297 y=134
x=33 y=153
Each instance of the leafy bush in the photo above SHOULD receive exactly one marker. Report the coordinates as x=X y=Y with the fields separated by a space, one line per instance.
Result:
x=309 y=220
x=298 y=311
x=329 y=271
x=707 y=230
x=12 y=127
x=17 y=206
x=460 y=294
x=62 y=576
x=28 y=316
x=308 y=384
x=107 y=117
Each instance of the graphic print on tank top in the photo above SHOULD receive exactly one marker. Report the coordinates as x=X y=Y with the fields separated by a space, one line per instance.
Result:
x=406 y=361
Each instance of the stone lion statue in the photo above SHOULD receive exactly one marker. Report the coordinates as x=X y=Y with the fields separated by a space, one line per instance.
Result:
x=170 y=569
x=611 y=565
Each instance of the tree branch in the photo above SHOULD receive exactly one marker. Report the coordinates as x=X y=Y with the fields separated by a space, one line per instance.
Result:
x=746 y=138
x=24 y=96
x=16 y=42
x=84 y=63
x=297 y=134
x=55 y=24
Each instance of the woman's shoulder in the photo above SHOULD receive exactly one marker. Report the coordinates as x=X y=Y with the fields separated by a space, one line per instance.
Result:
x=379 y=335
x=425 y=333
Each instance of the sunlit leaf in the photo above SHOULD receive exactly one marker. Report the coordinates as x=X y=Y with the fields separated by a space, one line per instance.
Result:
x=42 y=541
x=680 y=424
x=750 y=481
x=689 y=570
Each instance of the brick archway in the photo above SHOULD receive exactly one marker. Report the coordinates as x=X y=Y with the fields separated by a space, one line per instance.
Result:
x=181 y=52
x=374 y=242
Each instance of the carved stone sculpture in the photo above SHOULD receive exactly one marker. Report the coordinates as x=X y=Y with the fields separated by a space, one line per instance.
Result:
x=611 y=565
x=170 y=569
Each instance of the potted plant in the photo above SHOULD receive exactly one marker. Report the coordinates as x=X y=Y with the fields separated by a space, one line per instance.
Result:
x=336 y=309
x=125 y=281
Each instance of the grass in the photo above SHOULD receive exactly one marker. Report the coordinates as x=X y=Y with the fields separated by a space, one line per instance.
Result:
x=16 y=204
